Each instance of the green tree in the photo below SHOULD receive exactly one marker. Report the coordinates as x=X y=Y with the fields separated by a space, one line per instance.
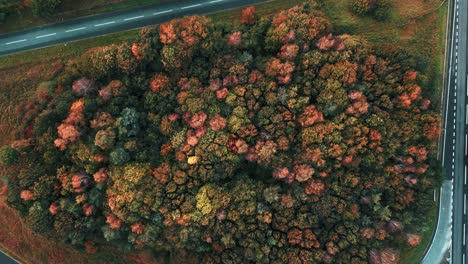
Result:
x=39 y=218
x=44 y=8
x=8 y=155
x=119 y=156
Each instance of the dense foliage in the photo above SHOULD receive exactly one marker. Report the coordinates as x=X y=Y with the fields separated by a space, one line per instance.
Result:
x=39 y=8
x=379 y=9
x=43 y=8
x=270 y=141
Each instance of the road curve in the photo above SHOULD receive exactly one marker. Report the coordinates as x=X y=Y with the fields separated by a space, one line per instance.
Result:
x=442 y=239
x=92 y=26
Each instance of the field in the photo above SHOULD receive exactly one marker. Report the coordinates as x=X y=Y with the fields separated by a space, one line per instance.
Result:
x=411 y=25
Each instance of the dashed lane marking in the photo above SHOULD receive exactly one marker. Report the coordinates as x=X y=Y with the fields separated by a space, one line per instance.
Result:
x=162 y=12
x=132 y=18
x=75 y=29
x=16 y=41
x=216 y=1
x=190 y=6
x=47 y=35
x=103 y=24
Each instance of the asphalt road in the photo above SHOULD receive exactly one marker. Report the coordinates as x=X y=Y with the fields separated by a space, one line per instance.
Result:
x=6 y=260
x=92 y=26
x=443 y=236
x=454 y=149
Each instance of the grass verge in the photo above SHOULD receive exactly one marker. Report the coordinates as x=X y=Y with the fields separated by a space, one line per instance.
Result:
x=411 y=255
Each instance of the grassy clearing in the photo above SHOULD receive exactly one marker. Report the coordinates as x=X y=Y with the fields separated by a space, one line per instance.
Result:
x=410 y=25
x=63 y=51
x=22 y=18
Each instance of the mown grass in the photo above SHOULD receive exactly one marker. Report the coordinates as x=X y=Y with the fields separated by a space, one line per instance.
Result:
x=63 y=51
x=414 y=24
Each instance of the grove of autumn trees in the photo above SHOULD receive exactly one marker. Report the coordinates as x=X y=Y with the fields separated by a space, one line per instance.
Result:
x=268 y=141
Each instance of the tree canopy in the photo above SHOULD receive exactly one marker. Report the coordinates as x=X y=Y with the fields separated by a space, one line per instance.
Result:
x=269 y=141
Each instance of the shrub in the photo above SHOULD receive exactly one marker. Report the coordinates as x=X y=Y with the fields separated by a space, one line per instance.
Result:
x=8 y=155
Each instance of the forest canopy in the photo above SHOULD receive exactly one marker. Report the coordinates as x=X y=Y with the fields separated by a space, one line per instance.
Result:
x=267 y=141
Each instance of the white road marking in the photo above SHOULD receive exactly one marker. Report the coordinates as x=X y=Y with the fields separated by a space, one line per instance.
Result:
x=75 y=29
x=464 y=240
x=466 y=146
x=464 y=204
x=16 y=41
x=132 y=18
x=191 y=6
x=47 y=35
x=465 y=174
x=163 y=12
x=103 y=24
x=215 y=1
